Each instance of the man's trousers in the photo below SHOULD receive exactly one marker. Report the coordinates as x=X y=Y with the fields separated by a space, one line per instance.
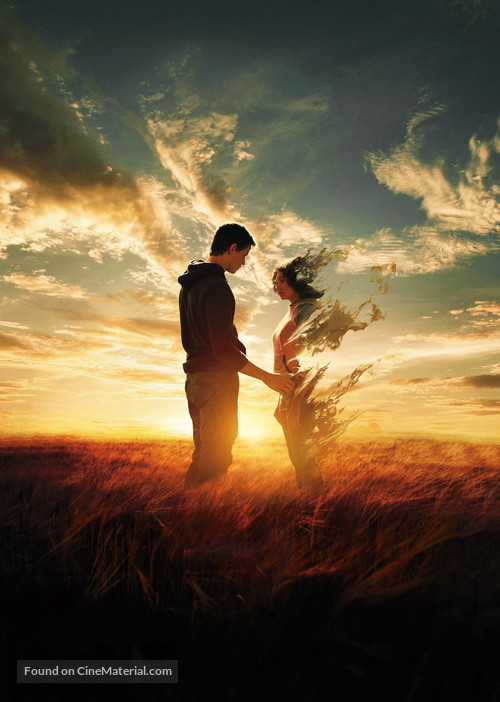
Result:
x=213 y=406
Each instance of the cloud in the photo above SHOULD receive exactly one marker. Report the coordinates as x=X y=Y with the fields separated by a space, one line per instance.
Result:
x=198 y=147
x=473 y=381
x=275 y=232
x=55 y=179
x=462 y=206
x=453 y=347
x=482 y=317
x=186 y=144
x=241 y=152
x=202 y=150
x=44 y=285
x=165 y=304
x=414 y=381
x=417 y=250
x=482 y=381
x=94 y=322
x=279 y=237
x=140 y=375
x=33 y=347
x=17 y=391
x=83 y=329
x=150 y=328
x=477 y=406
x=485 y=307
x=470 y=202
x=13 y=325
x=12 y=341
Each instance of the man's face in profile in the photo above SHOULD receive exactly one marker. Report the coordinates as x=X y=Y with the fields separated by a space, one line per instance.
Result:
x=237 y=258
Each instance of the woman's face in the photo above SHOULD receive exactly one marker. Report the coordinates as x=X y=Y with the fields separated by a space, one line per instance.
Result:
x=283 y=289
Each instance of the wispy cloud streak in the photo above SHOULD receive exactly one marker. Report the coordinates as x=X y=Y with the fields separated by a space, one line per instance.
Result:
x=56 y=182
x=471 y=202
x=462 y=205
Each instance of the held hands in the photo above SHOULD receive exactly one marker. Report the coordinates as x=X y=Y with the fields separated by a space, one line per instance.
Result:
x=280 y=383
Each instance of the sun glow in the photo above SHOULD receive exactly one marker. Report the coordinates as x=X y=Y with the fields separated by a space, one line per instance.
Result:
x=258 y=427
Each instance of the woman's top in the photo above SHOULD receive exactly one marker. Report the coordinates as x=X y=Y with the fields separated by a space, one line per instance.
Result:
x=286 y=348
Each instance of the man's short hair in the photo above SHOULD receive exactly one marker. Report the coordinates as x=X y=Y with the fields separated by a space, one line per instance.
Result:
x=227 y=235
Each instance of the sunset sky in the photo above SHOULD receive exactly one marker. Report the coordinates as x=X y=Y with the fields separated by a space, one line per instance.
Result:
x=130 y=130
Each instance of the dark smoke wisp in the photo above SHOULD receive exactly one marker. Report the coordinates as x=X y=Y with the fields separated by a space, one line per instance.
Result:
x=324 y=331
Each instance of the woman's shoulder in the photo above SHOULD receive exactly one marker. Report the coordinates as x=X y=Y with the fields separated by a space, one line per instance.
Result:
x=308 y=302
x=304 y=308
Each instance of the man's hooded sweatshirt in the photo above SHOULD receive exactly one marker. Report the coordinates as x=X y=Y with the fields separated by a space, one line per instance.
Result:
x=206 y=305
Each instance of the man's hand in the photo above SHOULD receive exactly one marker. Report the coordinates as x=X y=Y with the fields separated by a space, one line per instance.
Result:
x=280 y=383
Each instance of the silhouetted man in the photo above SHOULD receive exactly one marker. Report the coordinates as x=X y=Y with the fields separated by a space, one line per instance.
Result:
x=215 y=355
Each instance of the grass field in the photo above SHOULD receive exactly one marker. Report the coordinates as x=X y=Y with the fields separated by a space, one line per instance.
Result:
x=383 y=586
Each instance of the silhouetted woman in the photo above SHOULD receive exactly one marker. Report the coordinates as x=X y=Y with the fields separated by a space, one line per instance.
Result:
x=295 y=415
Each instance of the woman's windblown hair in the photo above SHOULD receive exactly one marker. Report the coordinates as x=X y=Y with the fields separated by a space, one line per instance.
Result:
x=302 y=271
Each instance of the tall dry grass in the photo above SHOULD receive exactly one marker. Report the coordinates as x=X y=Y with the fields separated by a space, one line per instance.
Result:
x=104 y=517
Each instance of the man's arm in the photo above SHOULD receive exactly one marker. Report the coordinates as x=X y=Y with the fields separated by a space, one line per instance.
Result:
x=219 y=309
x=280 y=383
x=219 y=312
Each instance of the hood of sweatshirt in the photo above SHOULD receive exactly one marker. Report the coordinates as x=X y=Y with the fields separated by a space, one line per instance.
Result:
x=199 y=269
